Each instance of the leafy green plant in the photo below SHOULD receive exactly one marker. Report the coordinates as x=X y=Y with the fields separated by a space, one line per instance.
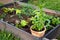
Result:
x=37 y=22
x=10 y=9
x=23 y=23
x=18 y=12
x=40 y=19
x=28 y=11
x=5 y=9
x=4 y=35
x=56 y=21
x=2 y=16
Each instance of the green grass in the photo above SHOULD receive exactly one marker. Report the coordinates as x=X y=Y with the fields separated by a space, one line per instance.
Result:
x=51 y=4
x=4 y=35
x=1 y=4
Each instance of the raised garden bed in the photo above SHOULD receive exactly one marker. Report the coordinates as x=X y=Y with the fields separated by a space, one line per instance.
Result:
x=10 y=18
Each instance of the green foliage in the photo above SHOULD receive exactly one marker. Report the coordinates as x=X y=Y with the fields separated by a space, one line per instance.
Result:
x=48 y=21
x=40 y=19
x=2 y=16
x=7 y=36
x=23 y=23
x=18 y=25
x=49 y=28
x=5 y=9
x=8 y=9
x=1 y=4
x=51 y=4
x=28 y=11
x=18 y=12
x=56 y=20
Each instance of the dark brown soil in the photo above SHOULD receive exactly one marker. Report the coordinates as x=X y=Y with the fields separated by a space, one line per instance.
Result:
x=26 y=18
x=27 y=29
x=1 y=11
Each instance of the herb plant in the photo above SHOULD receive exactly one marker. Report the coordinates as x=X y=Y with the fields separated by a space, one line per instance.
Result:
x=39 y=19
x=37 y=22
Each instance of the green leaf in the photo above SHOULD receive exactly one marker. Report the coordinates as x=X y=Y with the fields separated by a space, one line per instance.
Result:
x=18 y=11
x=23 y=23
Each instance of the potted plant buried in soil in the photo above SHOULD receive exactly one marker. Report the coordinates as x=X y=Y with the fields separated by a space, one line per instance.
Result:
x=42 y=22
x=38 y=29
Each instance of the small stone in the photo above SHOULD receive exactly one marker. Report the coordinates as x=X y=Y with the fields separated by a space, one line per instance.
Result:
x=17 y=21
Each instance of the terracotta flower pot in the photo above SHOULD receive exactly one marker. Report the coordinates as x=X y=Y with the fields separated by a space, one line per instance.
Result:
x=38 y=34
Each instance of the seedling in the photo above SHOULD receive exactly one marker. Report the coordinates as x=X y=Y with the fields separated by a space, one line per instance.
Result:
x=23 y=23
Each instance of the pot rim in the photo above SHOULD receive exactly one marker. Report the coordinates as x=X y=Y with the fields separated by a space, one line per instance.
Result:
x=38 y=31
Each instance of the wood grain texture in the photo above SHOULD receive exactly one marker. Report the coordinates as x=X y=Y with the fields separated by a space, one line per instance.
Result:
x=5 y=1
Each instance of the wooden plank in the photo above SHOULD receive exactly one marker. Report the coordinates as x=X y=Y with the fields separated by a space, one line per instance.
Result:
x=5 y=1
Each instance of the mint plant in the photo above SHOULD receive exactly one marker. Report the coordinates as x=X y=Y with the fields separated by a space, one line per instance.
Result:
x=39 y=19
x=18 y=12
